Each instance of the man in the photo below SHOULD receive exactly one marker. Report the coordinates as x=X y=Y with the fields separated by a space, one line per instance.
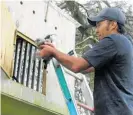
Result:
x=112 y=59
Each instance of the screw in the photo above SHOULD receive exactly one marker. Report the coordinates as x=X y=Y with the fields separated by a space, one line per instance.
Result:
x=33 y=12
x=21 y=2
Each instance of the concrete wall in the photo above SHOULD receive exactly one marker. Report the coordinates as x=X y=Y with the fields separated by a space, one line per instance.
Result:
x=17 y=99
x=33 y=25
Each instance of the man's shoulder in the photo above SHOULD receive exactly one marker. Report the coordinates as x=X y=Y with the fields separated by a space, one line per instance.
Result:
x=117 y=36
x=114 y=37
x=119 y=39
x=122 y=43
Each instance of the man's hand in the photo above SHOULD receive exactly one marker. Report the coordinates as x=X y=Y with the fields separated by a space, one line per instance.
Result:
x=50 y=44
x=47 y=50
x=72 y=63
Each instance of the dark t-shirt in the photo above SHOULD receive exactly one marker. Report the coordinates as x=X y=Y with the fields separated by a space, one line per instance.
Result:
x=112 y=59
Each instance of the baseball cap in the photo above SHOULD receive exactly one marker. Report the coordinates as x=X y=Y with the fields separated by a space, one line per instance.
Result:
x=108 y=14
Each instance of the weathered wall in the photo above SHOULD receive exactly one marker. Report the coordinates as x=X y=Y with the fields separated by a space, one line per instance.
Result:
x=18 y=99
x=29 y=19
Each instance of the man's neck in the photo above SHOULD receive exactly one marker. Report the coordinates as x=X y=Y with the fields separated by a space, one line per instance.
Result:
x=114 y=32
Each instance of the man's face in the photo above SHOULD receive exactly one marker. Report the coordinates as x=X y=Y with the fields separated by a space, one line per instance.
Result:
x=103 y=29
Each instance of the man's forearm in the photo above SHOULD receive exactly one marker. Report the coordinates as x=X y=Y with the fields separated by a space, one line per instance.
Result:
x=74 y=64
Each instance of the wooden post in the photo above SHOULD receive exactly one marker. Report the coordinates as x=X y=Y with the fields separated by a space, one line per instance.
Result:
x=44 y=82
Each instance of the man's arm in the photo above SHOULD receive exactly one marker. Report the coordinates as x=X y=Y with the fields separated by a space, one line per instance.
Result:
x=75 y=64
x=89 y=70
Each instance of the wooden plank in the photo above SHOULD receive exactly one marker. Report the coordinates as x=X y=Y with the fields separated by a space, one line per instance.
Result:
x=7 y=39
x=44 y=82
x=26 y=38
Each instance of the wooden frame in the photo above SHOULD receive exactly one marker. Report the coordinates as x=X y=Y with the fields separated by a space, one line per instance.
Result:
x=17 y=33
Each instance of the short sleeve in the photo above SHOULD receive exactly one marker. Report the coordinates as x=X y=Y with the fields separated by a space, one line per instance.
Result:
x=101 y=53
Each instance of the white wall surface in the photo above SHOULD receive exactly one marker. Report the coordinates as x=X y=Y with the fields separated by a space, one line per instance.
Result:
x=34 y=26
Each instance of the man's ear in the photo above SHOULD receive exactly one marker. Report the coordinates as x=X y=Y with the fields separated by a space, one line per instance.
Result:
x=114 y=25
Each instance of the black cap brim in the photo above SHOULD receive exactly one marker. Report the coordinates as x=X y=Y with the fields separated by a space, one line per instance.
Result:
x=92 y=21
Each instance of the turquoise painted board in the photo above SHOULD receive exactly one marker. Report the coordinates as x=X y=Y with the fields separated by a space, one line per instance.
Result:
x=65 y=89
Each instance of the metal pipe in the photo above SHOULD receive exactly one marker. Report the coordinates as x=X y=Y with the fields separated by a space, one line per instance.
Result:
x=30 y=67
x=23 y=61
x=36 y=75
x=40 y=73
x=26 y=59
x=20 y=61
x=31 y=79
x=34 y=72
x=72 y=74
x=45 y=19
x=17 y=51
x=85 y=106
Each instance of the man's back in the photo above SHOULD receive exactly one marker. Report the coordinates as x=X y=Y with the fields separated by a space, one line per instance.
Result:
x=114 y=80
x=112 y=59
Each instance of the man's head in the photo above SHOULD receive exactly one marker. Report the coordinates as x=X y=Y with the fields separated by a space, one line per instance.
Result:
x=108 y=21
